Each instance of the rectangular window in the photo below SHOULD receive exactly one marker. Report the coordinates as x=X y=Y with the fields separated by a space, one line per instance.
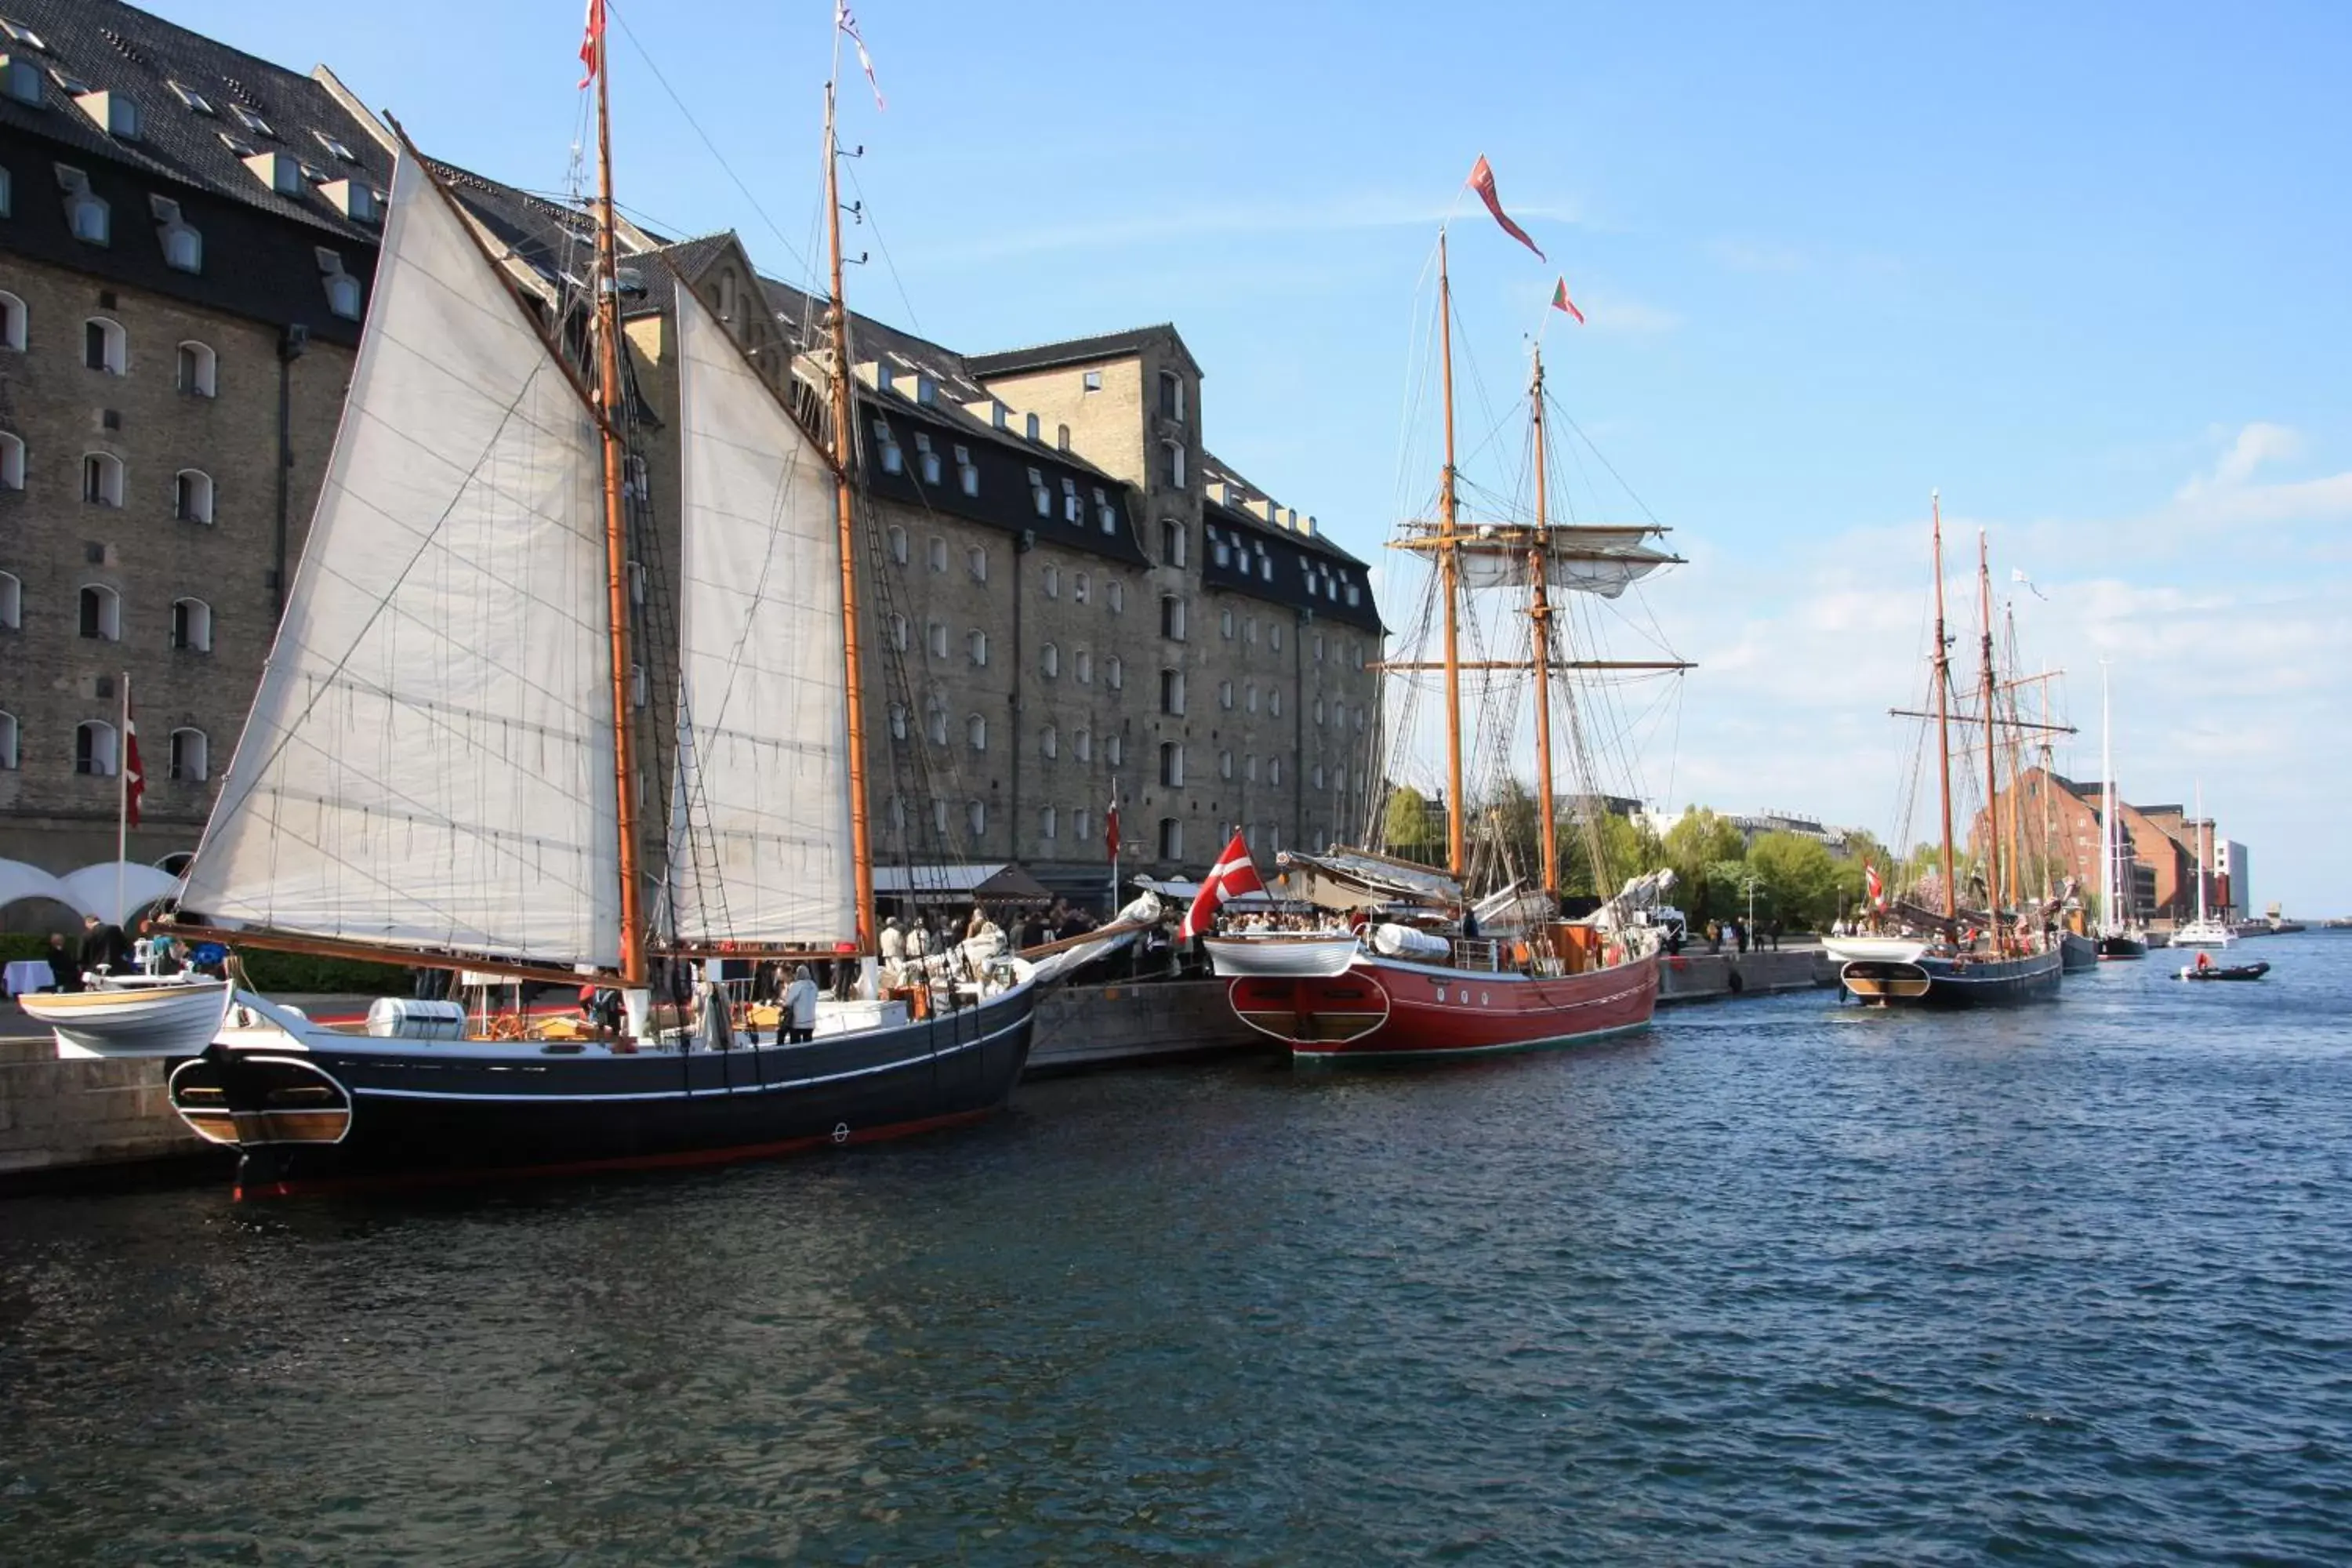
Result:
x=1172 y=397
x=1171 y=617
x=1172 y=692
x=1172 y=764
x=1171 y=838
x=1172 y=469
x=1172 y=543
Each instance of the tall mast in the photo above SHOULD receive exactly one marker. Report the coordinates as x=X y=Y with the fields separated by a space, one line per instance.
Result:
x=2016 y=771
x=1449 y=573
x=861 y=848
x=2204 y=851
x=2105 y=809
x=616 y=553
x=1539 y=612
x=1992 y=773
x=1943 y=725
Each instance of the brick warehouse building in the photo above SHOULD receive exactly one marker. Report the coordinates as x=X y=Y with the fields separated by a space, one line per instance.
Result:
x=2158 y=863
x=1077 y=588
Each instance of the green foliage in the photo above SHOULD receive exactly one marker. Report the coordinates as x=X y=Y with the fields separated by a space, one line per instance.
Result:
x=1405 y=822
x=1695 y=847
x=16 y=944
x=1798 y=881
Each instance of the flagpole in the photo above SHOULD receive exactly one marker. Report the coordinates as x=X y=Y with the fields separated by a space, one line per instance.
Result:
x=121 y=801
x=1114 y=906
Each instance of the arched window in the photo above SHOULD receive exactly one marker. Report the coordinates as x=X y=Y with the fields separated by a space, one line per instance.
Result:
x=101 y=613
x=1319 y=775
x=935 y=722
x=1225 y=623
x=897 y=631
x=198 y=368
x=94 y=748
x=1049 y=823
x=975 y=732
x=1080 y=584
x=1224 y=764
x=975 y=816
x=192 y=625
x=105 y=345
x=1249 y=767
x=1050 y=580
x=1049 y=661
x=940 y=816
x=12 y=322
x=101 y=479
x=939 y=551
x=7 y=742
x=12 y=603
x=1172 y=464
x=1081 y=824
x=1082 y=744
x=1114 y=674
x=977 y=642
x=192 y=496
x=1319 y=711
x=1274 y=701
x=1225 y=694
x=1083 y=667
x=12 y=461
x=1114 y=751
x=938 y=637
x=898 y=538
x=636 y=482
x=191 y=756
x=1118 y=597
x=897 y=721
x=898 y=814
x=1171 y=838
x=1274 y=770
x=976 y=559
x=1049 y=742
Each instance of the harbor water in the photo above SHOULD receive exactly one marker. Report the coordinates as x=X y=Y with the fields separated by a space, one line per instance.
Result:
x=1778 y=1281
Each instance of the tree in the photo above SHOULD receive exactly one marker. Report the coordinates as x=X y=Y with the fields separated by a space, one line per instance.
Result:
x=1404 y=823
x=1693 y=847
x=1797 y=880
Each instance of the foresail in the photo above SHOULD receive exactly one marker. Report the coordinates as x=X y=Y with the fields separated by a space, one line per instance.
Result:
x=760 y=848
x=429 y=760
x=1579 y=559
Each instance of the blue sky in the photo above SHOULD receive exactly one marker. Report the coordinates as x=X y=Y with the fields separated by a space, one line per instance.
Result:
x=2081 y=267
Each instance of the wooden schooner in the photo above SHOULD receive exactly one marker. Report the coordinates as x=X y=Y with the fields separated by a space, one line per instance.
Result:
x=439 y=768
x=1432 y=971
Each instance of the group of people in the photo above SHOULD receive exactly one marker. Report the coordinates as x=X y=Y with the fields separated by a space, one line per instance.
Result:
x=1743 y=936
x=106 y=948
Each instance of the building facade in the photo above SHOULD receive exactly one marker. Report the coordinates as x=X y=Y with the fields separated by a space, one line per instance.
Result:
x=1066 y=597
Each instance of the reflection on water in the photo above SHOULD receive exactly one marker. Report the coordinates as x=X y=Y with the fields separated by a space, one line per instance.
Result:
x=1778 y=1280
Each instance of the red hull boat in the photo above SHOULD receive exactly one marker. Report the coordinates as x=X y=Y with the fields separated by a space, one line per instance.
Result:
x=1385 y=1010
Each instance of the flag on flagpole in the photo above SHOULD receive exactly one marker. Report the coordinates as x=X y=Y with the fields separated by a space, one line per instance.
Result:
x=1560 y=302
x=1235 y=874
x=1110 y=823
x=848 y=22
x=134 y=780
x=591 y=43
x=1482 y=180
x=1875 y=888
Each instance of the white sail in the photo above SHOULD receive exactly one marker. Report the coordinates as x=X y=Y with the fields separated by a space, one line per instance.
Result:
x=1581 y=560
x=759 y=844
x=429 y=759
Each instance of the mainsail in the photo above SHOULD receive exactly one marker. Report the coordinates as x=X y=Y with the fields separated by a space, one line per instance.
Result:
x=428 y=764
x=1584 y=559
x=760 y=848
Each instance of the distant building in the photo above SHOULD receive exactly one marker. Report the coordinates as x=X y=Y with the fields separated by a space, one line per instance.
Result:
x=1754 y=826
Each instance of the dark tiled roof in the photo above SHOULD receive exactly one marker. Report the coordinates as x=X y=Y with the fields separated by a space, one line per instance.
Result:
x=113 y=48
x=1077 y=351
x=1218 y=475
x=1283 y=567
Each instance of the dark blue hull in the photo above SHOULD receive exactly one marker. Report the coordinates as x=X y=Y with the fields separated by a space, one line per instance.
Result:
x=330 y=1117
x=1992 y=983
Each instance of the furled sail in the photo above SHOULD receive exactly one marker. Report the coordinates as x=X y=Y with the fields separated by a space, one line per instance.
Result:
x=429 y=760
x=1577 y=559
x=760 y=848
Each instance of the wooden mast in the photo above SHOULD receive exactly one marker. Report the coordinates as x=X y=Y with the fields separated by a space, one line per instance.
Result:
x=1449 y=573
x=1992 y=760
x=2016 y=866
x=1539 y=612
x=861 y=848
x=1943 y=726
x=616 y=553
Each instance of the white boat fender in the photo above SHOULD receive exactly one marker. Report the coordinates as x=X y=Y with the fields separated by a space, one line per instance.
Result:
x=1404 y=941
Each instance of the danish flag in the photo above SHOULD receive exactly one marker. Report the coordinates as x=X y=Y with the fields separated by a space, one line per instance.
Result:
x=1233 y=876
x=1870 y=882
x=591 y=43
x=134 y=777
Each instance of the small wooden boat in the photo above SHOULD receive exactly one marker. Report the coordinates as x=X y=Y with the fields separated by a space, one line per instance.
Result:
x=2254 y=971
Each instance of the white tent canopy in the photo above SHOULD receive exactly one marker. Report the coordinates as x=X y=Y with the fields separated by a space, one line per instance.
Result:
x=90 y=891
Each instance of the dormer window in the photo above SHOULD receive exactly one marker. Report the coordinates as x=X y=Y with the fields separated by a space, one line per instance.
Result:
x=86 y=215
x=278 y=171
x=344 y=296
x=184 y=247
x=885 y=448
x=926 y=459
x=111 y=112
x=1073 y=509
x=927 y=391
x=250 y=121
x=192 y=100
x=334 y=147
x=21 y=81
x=1105 y=513
x=1041 y=498
x=967 y=472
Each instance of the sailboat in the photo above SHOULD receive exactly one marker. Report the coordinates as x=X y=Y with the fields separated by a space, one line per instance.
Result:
x=439 y=767
x=1431 y=972
x=2119 y=937
x=2204 y=930
x=1956 y=962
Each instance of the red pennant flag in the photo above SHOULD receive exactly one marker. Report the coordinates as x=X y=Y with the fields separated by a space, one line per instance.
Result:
x=1560 y=302
x=134 y=780
x=1110 y=824
x=1233 y=876
x=592 y=45
x=1482 y=180
x=848 y=24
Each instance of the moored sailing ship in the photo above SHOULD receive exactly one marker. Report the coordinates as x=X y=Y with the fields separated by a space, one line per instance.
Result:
x=1431 y=970
x=439 y=770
